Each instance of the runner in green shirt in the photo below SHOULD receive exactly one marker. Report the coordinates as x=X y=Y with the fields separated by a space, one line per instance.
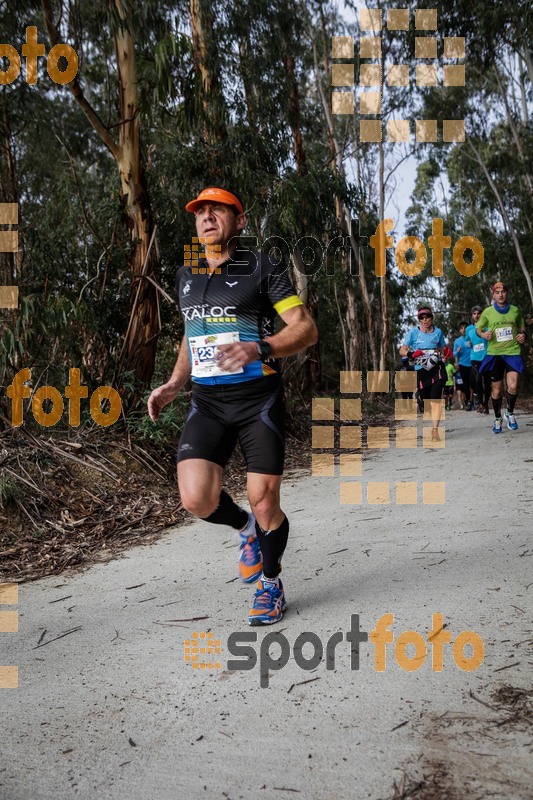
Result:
x=449 y=366
x=503 y=326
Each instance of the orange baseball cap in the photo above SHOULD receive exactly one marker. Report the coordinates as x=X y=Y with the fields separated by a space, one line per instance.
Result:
x=215 y=194
x=498 y=285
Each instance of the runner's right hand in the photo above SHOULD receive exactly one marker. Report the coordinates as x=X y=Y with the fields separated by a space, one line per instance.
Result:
x=160 y=398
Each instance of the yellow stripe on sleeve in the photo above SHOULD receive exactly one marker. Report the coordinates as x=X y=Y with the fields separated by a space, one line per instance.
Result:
x=288 y=302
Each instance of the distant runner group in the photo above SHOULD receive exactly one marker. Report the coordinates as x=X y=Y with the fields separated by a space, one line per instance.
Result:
x=485 y=355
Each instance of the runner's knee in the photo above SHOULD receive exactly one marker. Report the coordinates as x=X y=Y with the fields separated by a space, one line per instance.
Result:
x=197 y=503
x=266 y=505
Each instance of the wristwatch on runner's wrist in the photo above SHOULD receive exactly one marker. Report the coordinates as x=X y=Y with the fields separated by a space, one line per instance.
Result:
x=264 y=349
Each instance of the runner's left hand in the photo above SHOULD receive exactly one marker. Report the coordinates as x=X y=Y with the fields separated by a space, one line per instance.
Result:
x=231 y=357
x=521 y=338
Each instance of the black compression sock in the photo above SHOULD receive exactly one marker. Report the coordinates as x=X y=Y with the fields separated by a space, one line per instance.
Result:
x=228 y=513
x=511 y=400
x=497 y=405
x=272 y=545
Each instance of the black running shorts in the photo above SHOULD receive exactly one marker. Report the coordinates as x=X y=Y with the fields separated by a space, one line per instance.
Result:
x=500 y=368
x=250 y=413
x=465 y=375
x=430 y=382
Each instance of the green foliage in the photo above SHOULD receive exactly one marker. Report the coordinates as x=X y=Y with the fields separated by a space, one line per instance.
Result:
x=10 y=491
x=166 y=431
x=74 y=276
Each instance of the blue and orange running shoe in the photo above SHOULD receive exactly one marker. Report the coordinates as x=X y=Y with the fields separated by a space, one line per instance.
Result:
x=250 y=558
x=269 y=602
x=497 y=427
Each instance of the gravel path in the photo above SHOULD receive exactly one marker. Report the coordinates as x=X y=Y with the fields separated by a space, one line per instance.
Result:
x=112 y=710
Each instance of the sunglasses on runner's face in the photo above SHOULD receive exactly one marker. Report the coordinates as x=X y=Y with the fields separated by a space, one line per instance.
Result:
x=425 y=316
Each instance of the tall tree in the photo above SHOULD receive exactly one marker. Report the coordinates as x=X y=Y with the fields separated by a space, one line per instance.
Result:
x=138 y=353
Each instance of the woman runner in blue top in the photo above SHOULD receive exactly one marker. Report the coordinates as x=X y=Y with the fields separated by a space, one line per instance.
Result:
x=480 y=382
x=425 y=343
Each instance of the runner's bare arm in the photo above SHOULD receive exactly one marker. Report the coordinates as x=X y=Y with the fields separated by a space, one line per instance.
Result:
x=299 y=332
x=168 y=392
x=484 y=334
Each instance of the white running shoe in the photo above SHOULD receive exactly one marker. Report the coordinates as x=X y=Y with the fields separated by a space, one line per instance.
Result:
x=512 y=424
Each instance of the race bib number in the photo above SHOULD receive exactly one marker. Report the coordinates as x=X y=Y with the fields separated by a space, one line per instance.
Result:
x=504 y=334
x=203 y=352
x=477 y=348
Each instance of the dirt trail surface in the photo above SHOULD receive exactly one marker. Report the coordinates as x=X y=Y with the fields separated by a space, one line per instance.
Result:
x=107 y=706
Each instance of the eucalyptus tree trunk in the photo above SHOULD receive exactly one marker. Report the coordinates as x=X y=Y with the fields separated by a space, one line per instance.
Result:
x=207 y=65
x=138 y=351
x=351 y=337
x=10 y=263
x=383 y=323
